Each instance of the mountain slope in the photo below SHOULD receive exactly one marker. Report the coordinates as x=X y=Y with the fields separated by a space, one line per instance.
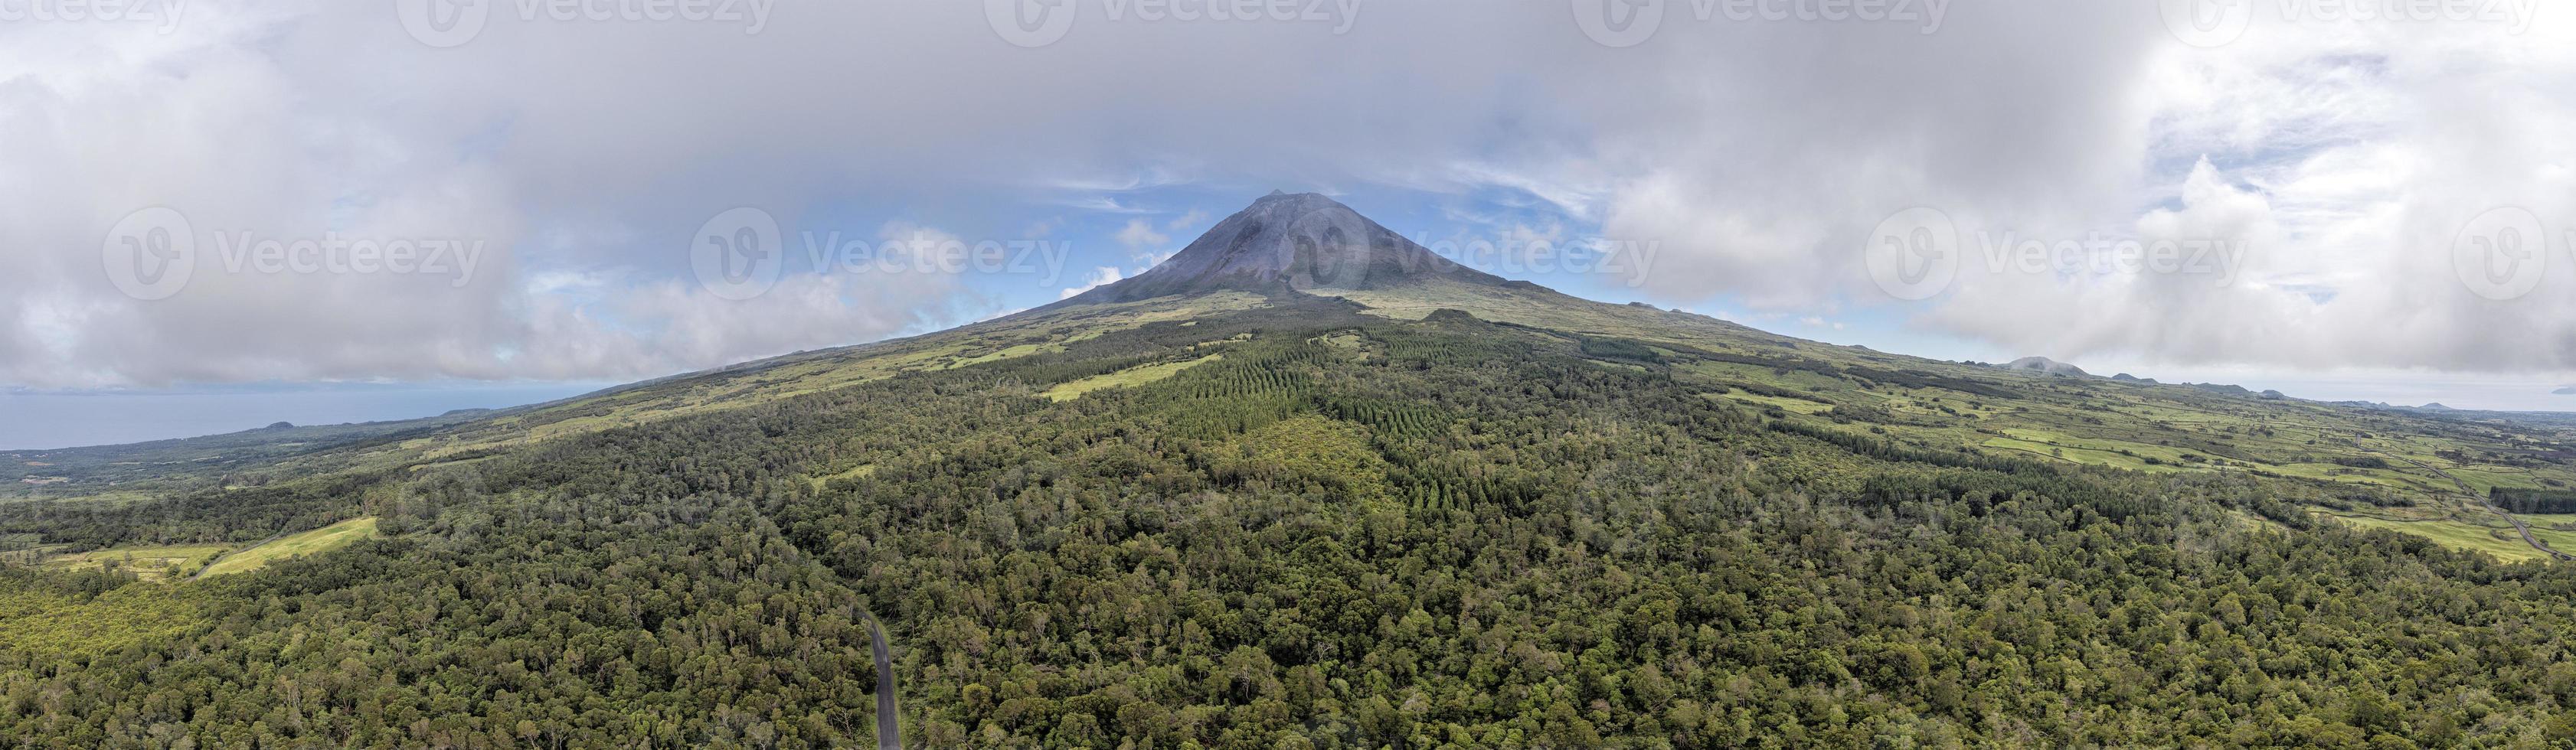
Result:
x=1287 y=247
x=1284 y=248
x=1250 y=514
x=1284 y=242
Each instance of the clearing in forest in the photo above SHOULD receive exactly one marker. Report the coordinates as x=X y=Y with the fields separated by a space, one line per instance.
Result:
x=323 y=539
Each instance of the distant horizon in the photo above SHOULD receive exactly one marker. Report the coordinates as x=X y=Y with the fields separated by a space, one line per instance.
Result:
x=42 y=420
x=243 y=406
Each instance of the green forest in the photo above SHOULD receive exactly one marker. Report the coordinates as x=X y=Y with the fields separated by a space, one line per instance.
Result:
x=1346 y=530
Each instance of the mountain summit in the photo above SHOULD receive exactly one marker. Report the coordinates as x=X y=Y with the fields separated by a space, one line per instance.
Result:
x=1293 y=241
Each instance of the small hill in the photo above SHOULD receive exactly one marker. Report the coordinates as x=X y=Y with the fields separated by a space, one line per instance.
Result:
x=2046 y=365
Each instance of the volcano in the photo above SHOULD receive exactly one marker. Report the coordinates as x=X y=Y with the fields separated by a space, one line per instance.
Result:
x=1353 y=491
x=1302 y=242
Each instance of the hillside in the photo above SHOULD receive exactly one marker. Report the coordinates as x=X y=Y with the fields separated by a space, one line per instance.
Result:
x=1305 y=485
x=2045 y=365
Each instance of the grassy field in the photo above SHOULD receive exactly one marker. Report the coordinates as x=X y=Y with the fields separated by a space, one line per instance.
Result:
x=2094 y=456
x=1138 y=375
x=148 y=563
x=2557 y=540
x=2453 y=534
x=855 y=472
x=322 y=539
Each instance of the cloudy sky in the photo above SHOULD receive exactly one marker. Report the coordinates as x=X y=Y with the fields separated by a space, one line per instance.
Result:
x=2346 y=198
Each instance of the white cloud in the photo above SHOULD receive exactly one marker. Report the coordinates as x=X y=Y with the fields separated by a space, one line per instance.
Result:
x=1141 y=240
x=2346 y=167
x=1102 y=276
x=1758 y=154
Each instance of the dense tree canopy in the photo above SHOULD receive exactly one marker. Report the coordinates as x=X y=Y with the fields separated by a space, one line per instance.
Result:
x=1348 y=532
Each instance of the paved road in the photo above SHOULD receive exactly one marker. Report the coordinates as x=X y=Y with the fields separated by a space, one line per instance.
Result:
x=889 y=735
x=2518 y=525
x=2525 y=528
